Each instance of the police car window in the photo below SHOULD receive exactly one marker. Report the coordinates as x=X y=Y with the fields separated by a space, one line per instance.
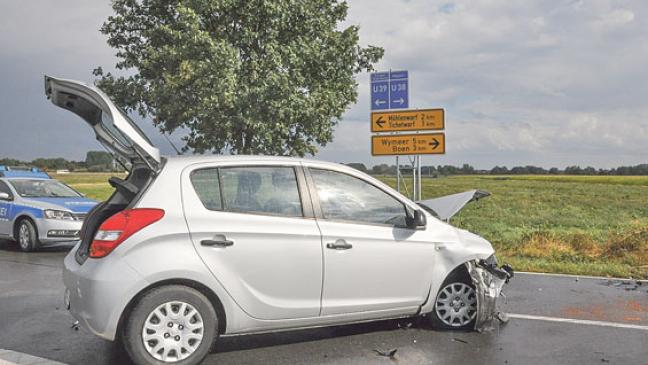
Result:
x=206 y=184
x=4 y=188
x=264 y=190
x=347 y=198
x=43 y=189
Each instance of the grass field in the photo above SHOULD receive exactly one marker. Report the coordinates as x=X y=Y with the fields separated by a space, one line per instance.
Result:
x=588 y=225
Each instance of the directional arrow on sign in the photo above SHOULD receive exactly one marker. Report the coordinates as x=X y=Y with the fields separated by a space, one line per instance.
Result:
x=380 y=122
x=435 y=143
x=380 y=102
x=398 y=101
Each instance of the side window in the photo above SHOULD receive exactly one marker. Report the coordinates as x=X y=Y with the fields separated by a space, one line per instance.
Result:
x=344 y=197
x=207 y=186
x=4 y=188
x=266 y=190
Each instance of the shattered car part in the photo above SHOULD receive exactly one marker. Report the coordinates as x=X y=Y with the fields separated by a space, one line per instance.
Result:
x=488 y=280
x=446 y=207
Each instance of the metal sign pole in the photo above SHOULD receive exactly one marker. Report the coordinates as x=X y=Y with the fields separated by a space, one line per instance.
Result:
x=397 y=175
x=420 y=179
x=413 y=178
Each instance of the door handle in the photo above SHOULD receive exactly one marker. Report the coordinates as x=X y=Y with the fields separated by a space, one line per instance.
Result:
x=339 y=245
x=217 y=243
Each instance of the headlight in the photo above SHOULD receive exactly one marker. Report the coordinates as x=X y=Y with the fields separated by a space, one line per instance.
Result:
x=58 y=214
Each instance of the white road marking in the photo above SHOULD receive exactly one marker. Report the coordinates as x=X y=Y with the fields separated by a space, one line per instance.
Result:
x=578 y=276
x=8 y=357
x=578 y=321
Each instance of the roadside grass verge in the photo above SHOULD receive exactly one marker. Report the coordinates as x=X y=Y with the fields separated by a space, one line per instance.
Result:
x=588 y=225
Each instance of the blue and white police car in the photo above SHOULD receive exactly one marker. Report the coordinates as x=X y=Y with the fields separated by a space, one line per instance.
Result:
x=36 y=210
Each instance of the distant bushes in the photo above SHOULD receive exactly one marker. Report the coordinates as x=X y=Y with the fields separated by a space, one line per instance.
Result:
x=466 y=169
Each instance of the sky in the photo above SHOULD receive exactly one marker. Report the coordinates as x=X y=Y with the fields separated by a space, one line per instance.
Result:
x=547 y=83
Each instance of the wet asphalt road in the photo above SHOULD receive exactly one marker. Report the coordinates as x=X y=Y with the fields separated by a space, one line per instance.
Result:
x=33 y=321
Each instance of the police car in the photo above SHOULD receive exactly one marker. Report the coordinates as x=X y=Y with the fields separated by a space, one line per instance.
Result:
x=36 y=210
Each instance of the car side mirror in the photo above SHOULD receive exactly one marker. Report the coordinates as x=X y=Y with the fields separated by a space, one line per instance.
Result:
x=416 y=220
x=4 y=196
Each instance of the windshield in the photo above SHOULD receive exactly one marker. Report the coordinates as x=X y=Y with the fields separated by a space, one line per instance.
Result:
x=43 y=189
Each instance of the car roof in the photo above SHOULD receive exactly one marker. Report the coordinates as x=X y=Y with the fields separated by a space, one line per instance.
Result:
x=193 y=159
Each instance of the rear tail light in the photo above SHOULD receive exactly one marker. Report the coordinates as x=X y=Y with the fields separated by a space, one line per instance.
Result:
x=116 y=229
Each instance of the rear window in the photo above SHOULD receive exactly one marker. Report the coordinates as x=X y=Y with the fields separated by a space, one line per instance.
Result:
x=207 y=186
x=263 y=190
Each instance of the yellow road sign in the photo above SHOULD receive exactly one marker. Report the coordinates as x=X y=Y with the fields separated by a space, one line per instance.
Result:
x=408 y=144
x=408 y=120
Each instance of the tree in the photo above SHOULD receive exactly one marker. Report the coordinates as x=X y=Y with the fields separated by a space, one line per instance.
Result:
x=262 y=77
x=99 y=161
x=358 y=166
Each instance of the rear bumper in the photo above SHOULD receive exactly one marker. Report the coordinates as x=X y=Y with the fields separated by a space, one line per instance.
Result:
x=98 y=291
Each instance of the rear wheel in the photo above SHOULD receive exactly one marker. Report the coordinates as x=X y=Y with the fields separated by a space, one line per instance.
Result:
x=27 y=235
x=456 y=304
x=171 y=324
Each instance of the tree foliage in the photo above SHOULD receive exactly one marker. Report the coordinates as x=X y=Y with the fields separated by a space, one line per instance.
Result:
x=258 y=76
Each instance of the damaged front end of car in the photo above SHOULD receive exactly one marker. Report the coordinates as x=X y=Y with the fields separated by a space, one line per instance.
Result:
x=489 y=279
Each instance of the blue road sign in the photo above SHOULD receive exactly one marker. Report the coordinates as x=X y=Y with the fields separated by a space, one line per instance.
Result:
x=398 y=90
x=380 y=90
x=389 y=90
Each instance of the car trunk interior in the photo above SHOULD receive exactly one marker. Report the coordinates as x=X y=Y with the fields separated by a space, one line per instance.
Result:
x=125 y=195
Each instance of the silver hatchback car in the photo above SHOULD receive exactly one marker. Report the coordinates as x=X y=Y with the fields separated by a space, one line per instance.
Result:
x=188 y=249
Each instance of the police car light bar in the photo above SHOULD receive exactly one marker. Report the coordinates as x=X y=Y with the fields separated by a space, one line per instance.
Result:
x=34 y=172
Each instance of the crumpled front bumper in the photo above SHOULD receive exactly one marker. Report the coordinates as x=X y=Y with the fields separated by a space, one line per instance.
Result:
x=489 y=279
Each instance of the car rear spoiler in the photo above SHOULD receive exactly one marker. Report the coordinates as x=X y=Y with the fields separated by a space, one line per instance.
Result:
x=446 y=207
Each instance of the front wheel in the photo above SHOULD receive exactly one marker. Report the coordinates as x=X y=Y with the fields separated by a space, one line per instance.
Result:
x=27 y=236
x=171 y=324
x=456 y=304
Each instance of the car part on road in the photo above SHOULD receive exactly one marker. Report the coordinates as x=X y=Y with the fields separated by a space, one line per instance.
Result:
x=389 y=353
x=27 y=236
x=171 y=324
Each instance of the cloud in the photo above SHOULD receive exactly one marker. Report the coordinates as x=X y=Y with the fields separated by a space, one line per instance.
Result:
x=551 y=83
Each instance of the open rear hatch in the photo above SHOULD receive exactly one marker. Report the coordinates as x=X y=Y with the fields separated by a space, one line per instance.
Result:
x=112 y=127
x=121 y=136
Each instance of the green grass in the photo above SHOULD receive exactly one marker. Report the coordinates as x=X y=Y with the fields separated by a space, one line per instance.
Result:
x=93 y=184
x=587 y=225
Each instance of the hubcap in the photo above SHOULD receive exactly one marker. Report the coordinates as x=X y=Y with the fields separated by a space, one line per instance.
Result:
x=173 y=331
x=24 y=236
x=456 y=305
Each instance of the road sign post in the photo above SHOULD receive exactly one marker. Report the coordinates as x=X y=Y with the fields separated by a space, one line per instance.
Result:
x=380 y=91
x=398 y=90
x=390 y=90
x=408 y=120
x=408 y=144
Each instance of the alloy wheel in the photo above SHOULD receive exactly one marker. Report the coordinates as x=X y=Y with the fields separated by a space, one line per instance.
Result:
x=24 y=236
x=456 y=304
x=173 y=331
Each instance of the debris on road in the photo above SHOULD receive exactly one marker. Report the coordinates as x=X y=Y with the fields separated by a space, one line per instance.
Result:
x=390 y=353
x=75 y=325
x=627 y=285
x=454 y=339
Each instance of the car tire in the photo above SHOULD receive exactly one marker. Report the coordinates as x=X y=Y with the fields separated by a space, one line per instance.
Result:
x=27 y=235
x=162 y=328
x=455 y=306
